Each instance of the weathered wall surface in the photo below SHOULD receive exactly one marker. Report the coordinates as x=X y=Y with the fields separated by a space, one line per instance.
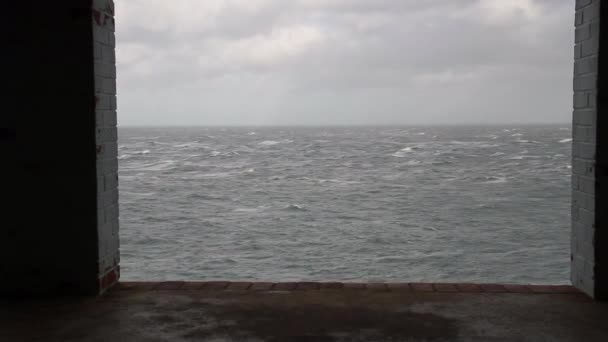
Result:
x=104 y=44
x=58 y=143
x=587 y=166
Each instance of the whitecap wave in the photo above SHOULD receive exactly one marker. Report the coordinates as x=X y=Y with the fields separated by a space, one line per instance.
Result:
x=499 y=180
x=294 y=207
x=337 y=181
x=494 y=180
x=269 y=143
x=413 y=162
x=187 y=145
x=563 y=141
x=158 y=166
x=497 y=154
x=249 y=210
x=216 y=175
x=404 y=152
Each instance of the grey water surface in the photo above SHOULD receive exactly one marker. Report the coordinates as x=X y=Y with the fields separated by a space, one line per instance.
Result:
x=481 y=204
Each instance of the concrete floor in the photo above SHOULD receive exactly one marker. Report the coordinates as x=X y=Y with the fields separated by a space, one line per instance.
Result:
x=140 y=313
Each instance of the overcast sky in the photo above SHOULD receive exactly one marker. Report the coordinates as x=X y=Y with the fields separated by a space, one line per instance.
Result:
x=316 y=62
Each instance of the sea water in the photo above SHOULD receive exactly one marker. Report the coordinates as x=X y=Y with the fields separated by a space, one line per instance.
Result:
x=480 y=204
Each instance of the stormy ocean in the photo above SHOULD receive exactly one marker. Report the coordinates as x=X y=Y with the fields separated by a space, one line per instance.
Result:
x=481 y=204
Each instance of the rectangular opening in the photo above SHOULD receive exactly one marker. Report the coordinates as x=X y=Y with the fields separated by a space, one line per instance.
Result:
x=346 y=142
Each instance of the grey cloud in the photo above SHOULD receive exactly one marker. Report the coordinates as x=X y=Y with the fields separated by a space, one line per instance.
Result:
x=340 y=62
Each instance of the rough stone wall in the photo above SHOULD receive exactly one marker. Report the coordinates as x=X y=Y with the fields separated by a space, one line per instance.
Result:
x=104 y=44
x=586 y=170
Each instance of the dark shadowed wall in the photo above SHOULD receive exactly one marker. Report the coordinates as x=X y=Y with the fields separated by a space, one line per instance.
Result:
x=57 y=135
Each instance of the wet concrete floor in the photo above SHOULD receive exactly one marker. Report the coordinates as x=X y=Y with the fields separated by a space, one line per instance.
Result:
x=141 y=313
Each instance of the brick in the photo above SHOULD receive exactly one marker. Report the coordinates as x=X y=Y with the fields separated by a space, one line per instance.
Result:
x=585 y=185
x=587 y=219
x=107 y=6
x=582 y=32
x=355 y=286
x=263 y=286
x=515 y=288
x=565 y=289
x=399 y=287
x=578 y=18
x=422 y=287
x=194 y=285
x=589 y=47
x=445 y=287
x=585 y=117
x=585 y=134
x=332 y=286
x=104 y=69
x=587 y=31
x=377 y=287
x=493 y=288
x=136 y=286
x=216 y=285
x=239 y=286
x=582 y=3
x=104 y=102
x=585 y=65
x=583 y=200
x=584 y=150
x=591 y=12
x=581 y=100
x=585 y=82
x=578 y=51
x=541 y=288
x=472 y=288
x=307 y=286
x=105 y=85
x=107 y=54
x=285 y=286
x=169 y=285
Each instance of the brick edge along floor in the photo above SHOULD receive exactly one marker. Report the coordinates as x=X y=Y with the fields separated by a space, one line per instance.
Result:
x=337 y=286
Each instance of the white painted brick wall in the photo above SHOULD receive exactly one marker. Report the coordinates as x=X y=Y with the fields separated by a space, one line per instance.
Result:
x=585 y=85
x=106 y=136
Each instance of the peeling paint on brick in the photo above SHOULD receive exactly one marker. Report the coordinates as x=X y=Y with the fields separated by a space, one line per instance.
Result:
x=109 y=279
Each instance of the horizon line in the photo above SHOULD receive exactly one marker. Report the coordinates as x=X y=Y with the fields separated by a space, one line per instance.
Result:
x=341 y=125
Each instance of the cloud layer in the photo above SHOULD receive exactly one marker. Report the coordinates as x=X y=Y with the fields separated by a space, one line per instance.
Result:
x=315 y=62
